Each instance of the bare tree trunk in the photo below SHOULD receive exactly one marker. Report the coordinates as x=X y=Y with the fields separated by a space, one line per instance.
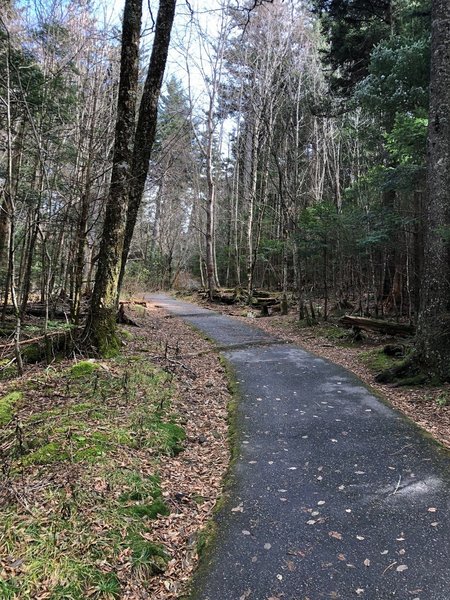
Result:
x=156 y=222
x=10 y=203
x=433 y=336
x=325 y=280
x=418 y=251
x=82 y=221
x=16 y=159
x=210 y=206
x=26 y=280
x=251 y=164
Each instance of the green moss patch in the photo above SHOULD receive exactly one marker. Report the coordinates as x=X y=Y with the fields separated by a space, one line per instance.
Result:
x=206 y=537
x=84 y=368
x=335 y=333
x=7 y=404
x=377 y=361
x=170 y=437
x=88 y=447
x=45 y=455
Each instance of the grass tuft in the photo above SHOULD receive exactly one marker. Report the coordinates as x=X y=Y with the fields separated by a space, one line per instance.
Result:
x=148 y=511
x=148 y=558
x=147 y=492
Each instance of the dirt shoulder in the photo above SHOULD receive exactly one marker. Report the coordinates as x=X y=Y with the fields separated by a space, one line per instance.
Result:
x=111 y=468
x=193 y=480
x=428 y=406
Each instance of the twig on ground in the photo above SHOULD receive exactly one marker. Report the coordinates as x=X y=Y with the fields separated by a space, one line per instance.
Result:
x=401 y=449
x=397 y=486
x=389 y=567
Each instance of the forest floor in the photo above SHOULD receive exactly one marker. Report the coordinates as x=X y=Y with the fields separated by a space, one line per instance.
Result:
x=111 y=468
x=427 y=405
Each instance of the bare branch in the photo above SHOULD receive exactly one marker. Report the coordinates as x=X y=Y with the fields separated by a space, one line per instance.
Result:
x=191 y=10
x=249 y=11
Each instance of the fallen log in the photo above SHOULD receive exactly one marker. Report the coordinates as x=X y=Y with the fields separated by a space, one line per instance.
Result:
x=219 y=296
x=40 y=310
x=385 y=327
x=222 y=298
x=261 y=294
x=260 y=302
x=132 y=302
x=34 y=340
x=36 y=348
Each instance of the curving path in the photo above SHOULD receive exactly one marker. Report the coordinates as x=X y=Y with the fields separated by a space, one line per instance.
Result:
x=333 y=494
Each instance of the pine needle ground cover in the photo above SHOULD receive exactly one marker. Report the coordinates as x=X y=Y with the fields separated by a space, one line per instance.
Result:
x=109 y=469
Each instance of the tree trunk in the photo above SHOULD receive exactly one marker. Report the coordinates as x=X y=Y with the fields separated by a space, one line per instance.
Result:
x=146 y=125
x=209 y=209
x=80 y=240
x=433 y=337
x=418 y=251
x=252 y=167
x=101 y=325
x=10 y=203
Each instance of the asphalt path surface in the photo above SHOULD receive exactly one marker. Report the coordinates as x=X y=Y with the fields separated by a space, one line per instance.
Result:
x=333 y=495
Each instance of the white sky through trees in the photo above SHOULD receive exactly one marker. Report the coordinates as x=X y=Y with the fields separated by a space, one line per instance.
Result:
x=203 y=20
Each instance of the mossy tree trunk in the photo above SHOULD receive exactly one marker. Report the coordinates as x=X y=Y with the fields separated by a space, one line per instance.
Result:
x=147 y=120
x=433 y=339
x=101 y=326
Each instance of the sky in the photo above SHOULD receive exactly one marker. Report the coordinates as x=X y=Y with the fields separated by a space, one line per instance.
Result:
x=184 y=41
x=109 y=12
x=187 y=53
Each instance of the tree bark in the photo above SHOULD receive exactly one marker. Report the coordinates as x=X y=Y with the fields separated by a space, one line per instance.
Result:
x=101 y=325
x=146 y=125
x=251 y=168
x=209 y=207
x=10 y=202
x=80 y=240
x=433 y=337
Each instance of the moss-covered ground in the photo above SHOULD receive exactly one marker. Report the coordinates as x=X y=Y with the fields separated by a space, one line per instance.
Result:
x=80 y=446
x=378 y=361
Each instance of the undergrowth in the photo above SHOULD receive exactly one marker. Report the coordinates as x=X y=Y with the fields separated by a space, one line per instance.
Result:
x=80 y=486
x=377 y=361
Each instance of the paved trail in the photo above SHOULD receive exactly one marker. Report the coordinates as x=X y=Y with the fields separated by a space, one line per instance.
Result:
x=334 y=495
